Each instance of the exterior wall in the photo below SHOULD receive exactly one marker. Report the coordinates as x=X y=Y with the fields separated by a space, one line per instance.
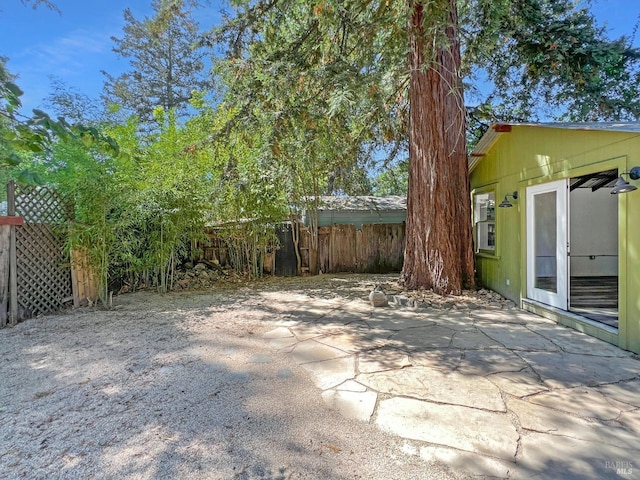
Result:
x=532 y=155
x=358 y=218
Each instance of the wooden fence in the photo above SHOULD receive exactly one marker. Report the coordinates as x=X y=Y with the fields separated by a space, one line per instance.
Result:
x=375 y=248
x=35 y=268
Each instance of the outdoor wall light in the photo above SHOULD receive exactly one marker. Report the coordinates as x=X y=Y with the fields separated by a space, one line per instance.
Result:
x=623 y=186
x=506 y=203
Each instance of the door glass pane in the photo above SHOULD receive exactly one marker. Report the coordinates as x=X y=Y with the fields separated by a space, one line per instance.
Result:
x=545 y=218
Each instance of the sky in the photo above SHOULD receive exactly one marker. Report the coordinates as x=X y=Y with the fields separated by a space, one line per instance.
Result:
x=76 y=45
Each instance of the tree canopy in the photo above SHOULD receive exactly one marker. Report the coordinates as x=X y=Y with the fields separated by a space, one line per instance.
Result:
x=340 y=70
x=549 y=59
x=167 y=65
x=310 y=99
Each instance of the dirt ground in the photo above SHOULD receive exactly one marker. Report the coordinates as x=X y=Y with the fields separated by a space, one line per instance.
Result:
x=183 y=386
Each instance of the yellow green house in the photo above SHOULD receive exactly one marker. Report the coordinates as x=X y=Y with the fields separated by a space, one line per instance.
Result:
x=556 y=216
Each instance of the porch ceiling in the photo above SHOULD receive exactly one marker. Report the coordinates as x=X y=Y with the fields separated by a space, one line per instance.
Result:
x=595 y=181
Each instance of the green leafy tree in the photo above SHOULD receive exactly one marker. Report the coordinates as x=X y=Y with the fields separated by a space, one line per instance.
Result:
x=346 y=64
x=167 y=64
x=548 y=58
x=36 y=136
x=392 y=180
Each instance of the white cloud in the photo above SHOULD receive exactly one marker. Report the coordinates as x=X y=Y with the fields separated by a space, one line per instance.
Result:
x=77 y=58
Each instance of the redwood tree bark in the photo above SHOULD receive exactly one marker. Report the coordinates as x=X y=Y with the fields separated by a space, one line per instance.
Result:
x=438 y=251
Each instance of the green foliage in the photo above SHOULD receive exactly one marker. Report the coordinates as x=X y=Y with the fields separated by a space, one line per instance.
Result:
x=166 y=63
x=549 y=58
x=321 y=83
x=36 y=136
x=310 y=93
x=247 y=189
x=138 y=209
x=393 y=180
x=343 y=65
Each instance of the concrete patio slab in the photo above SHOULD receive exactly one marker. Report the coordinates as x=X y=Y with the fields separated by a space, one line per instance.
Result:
x=279 y=332
x=356 y=339
x=497 y=393
x=459 y=461
x=427 y=384
x=311 y=351
x=473 y=340
x=486 y=362
x=284 y=343
x=553 y=422
x=518 y=337
x=580 y=401
x=564 y=370
x=626 y=392
x=354 y=405
x=382 y=359
x=519 y=384
x=458 y=321
x=351 y=386
x=549 y=457
x=392 y=322
x=631 y=421
x=458 y=427
x=439 y=359
x=422 y=338
x=331 y=373
x=519 y=317
x=306 y=331
x=571 y=341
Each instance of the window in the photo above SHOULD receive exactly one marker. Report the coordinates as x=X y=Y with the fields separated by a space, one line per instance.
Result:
x=484 y=214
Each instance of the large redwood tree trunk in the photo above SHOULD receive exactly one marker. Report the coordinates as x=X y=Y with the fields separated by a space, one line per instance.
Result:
x=438 y=252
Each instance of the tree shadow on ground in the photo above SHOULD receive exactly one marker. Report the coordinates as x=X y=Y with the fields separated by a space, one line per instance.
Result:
x=562 y=388
x=157 y=391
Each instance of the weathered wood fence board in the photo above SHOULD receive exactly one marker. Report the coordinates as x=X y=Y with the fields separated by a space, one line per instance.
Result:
x=343 y=253
x=375 y=248
x=83 y=280
x=380 y=248
x=5 y=256
x=324 y=249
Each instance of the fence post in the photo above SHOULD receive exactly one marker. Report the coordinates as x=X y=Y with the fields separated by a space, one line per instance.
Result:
x=13 y=261
x=4 y=274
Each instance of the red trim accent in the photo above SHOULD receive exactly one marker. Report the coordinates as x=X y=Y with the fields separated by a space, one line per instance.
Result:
x=502 y=128
x=11 y=221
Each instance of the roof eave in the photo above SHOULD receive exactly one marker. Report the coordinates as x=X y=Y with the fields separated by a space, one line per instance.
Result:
x=487 y=141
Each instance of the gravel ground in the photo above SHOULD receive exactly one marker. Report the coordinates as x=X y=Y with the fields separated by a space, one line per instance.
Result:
x=182 y=386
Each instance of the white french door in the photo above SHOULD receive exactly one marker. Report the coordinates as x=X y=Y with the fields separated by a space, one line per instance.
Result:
x=548 y=243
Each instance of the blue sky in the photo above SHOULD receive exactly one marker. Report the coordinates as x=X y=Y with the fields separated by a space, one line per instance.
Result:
x=76 y=45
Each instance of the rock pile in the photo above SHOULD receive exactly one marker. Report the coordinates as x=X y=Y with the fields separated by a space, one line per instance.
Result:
x=469 y=300
x=203 y=275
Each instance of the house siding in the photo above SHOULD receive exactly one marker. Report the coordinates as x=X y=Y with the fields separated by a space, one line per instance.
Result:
x=532 y=155
x=358 y=218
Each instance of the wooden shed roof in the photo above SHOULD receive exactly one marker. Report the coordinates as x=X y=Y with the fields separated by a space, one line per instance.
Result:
x=363 y=202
